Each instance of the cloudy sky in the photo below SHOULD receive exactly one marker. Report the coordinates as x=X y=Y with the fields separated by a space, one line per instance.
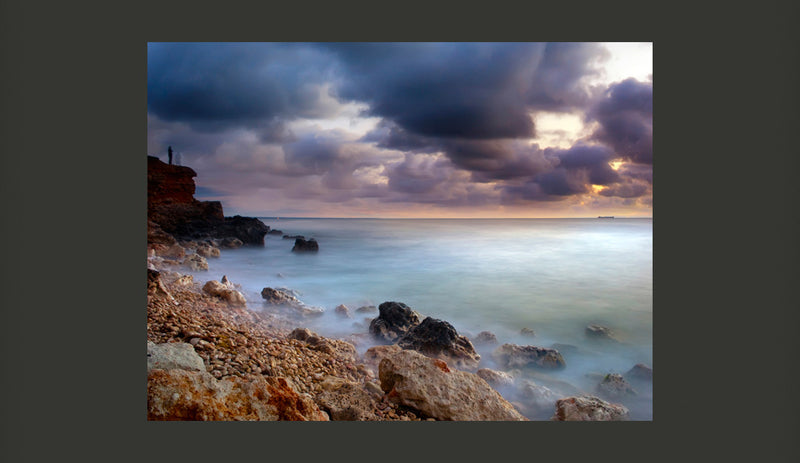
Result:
x=408 y=129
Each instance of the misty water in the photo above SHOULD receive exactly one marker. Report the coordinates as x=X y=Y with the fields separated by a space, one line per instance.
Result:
x=554 y=276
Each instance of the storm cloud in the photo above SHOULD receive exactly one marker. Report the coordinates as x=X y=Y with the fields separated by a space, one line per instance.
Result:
x=374 y=126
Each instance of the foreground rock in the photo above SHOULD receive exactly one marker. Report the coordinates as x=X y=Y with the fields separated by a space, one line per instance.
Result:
x=301 y=245
x=282 y=298
x=589 y=408
x=513 y=356
x=173 y=355
x=314 y=341
x=226 y=293
x=434 y=390
x=346 y=401
x=394 y=320
x=194 y=395
x=439 y=339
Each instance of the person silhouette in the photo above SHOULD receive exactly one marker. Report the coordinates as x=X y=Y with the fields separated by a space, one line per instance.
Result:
x=169 y=152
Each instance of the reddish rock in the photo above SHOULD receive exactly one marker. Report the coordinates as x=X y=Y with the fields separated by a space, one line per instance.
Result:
x=512 y=355
x=589 y=408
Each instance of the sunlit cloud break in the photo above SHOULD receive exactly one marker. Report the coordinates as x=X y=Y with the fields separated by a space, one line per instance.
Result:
x=409 y=129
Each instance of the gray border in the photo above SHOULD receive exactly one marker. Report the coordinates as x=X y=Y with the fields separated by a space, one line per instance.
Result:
x=74 y=188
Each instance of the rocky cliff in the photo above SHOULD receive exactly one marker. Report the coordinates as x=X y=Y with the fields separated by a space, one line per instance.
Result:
x=172 y=209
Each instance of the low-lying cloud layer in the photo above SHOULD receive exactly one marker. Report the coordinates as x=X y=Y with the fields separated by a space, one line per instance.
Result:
x=403 y=129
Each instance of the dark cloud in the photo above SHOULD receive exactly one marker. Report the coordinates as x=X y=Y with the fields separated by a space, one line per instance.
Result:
x=594 y=159
x=625 y=114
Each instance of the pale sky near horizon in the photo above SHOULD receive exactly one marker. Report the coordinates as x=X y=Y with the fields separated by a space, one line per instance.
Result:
x=409 y=129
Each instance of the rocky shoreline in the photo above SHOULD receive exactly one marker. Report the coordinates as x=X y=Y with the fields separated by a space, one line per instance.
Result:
x=214 y=355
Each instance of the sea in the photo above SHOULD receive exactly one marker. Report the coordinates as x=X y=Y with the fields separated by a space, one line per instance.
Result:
x=552 y=276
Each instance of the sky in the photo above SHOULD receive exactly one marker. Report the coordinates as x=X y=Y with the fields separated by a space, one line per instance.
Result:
x=438 y=130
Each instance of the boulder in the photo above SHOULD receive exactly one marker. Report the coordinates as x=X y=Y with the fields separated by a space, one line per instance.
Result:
x=231 y=242
x=512 y=356
x=640 y=372
x=206 y=250
x=329 y=346
x=197 y=396
x=301 y=245
x=346 y=401
x=175 y=251
x=496 y=379
x=588 y=408
x=373 y=356
x=342 y=311
x=173 y=355
x=195 y=263
x=614 y=385
x=394 y=320
x=223 y=291
x=433 y=390
x=155 y=286
x=283 y=298
x=485 y=337
x=439 y=339
x=600 y=333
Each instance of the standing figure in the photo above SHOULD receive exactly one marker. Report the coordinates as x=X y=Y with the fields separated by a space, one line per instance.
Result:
x=169 y=152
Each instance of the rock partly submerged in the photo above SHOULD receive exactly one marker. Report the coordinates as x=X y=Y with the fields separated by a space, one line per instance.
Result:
x=439 y=339
x=302 y=245
x=284 y=299
x=393 y=321
x=589 y=408
x=434 y=390
x=513 y=356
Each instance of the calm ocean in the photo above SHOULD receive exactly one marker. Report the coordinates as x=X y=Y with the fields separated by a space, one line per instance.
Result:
x=554 y=276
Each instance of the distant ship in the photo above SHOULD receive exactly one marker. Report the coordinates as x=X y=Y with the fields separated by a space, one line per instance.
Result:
x=605 y=216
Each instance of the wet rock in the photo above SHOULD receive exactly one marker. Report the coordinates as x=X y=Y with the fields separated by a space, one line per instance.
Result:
x=527 y=332
x=394 y=320
x=346 y=400
x=195 y=263
x=589 y=408
x=208 y=251
x=301 y=245
x=485 y=338
x=342 y=311
x=224 y=292
x=512 y=355
x=439 y=339
x=496 y=379
x=283 y=298
x=640 y=372
x=173 y=355
x=614 y=385
x=195 y=395
x=231 y=242
x=600 y=333
x=432 y=389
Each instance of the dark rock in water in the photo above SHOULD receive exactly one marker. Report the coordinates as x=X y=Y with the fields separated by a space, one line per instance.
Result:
x=284 y=299
x=640 y=372
x=600 y=333
x=394 y=320
x=230 y=242
x=485 y=337
x=588 y=408
x=614 y=385
x=249 y=230
x=527 y=332
x=367 y=309
x=293 y=237
x=301 y=245
x=512 y=355
x=275 y=232
x=439 y=339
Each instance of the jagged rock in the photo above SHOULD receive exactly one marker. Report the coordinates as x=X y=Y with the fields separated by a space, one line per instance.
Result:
x=195 y=262
x=224 y=291
x=155 y=286
x=527 y=332
x=485 y=337
x=588 y=408
x=173 y=355
x=322 y=344
x=439 y=339
x=207 y=251
x=342 y=311
x=600 y=333
x=346 y=401
x=283 y=298
x=174 y=251
x=512 y=355
x=640 y=372
x=194 y=395
x=373 y=356
x=301 y=245
x=394 y=320
x=155 y=235
x=428 y=386
x=615 y=386
x=496 y=379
